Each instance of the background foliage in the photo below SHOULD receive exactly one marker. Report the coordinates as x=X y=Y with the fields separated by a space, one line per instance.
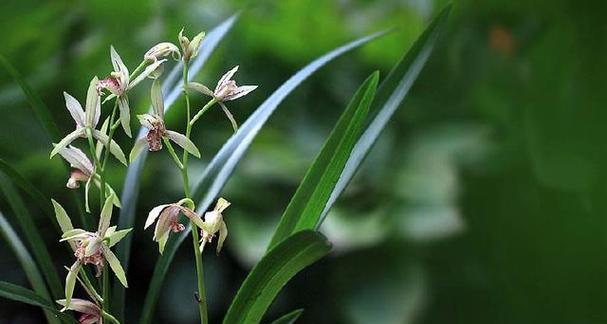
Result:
x=482 y=203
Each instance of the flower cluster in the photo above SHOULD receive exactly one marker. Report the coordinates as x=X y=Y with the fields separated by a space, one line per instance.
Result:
x=94 y=247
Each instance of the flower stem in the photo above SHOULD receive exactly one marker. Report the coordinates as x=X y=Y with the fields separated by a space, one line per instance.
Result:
x=172 y=153
x=202 y=300
x=202 y=111
x=107 y=148
x=109 y=317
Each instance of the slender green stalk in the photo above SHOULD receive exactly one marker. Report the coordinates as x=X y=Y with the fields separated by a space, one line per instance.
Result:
x=106 y=288
x=202 y=111
x=138 y=69
x=109 y=317
x=202 y=301
x=173 y=154
x=88 y=285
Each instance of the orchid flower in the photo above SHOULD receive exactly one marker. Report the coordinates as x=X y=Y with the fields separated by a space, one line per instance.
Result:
x=226 y=90
x=91 y=248
x=167 y=220
x=213 y=223
x=83 y=171
x=160 y=50
x=119 y=83
x=156 y=129
x=190 y=48
x=86 y=121
x=90 y=312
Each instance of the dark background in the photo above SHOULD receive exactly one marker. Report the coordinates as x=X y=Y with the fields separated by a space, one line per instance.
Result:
x=483 y=202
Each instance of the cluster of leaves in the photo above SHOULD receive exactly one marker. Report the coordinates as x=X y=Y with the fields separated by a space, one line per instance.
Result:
x=296 y=243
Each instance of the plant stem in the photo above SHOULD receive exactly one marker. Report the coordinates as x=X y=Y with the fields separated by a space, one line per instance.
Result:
x=173 y=154
x=107 y=148
x=109 y=317
x=202 y=111
x=202 y=301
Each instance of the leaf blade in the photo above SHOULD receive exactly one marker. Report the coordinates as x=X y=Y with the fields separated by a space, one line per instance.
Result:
x=289 y=318
x=390 y=94
x=307 y=204
x=24 y=295
x=274 y=270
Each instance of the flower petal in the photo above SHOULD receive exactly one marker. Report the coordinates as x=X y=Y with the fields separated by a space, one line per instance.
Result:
x=195 y=218
x=223 y=233
x=117 y=236
x=77 y=159
x=81 y=306
x=119 y=65
x=70 y=283
x=198 y=87
x=115 y=199
x=163 y=224
x=195 y=43
x=92 y=109
x=184 y=142
x=148 y=70
x=226 y=77
x=157 y=101
x=69 y=234
x=75 y=109
x=114 y=263
x=146 y=120
x=99 y=147
x=230 y=116
x=62 y=218
x=137 y=148
x=125 y=115
x=106 y=216
x=241 y=91
x=67 y=140
x=162 y=242
x=114 y=147
x=87 y=187
x=153 y=214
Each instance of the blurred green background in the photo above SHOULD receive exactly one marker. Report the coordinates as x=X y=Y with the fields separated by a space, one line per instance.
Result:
x=483 y=202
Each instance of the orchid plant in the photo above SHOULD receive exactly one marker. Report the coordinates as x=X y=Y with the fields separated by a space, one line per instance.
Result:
x=296 y=242
x=94 y=248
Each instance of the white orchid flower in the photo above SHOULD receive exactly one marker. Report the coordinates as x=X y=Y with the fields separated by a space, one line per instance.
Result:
x=91 y=248
x=119 y=83
x=213 y=223
x=86 y=122
x=190 y=48
x=84 y=171
x=90 y=312
x=156 y=129
x=167 y=220
x=226 y=90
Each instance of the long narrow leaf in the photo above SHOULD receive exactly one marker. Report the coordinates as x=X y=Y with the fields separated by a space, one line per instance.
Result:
x=35 y=194
x=27 y=263
x=130 y=190
x=24 y=295
x=289 y=318
x=274 y=270
x=389 y=97
x=30 y=229
x=309 y=200
x=222 y=165
x=40 y=109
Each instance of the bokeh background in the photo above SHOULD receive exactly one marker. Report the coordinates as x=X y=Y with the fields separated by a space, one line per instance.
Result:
x=483 y=202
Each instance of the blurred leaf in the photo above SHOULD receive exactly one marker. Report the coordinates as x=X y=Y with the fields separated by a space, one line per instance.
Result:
x=219 y=170
x=274 y=270
x=33 y=237
x=130 y=190
x=24 y=295
x=390 y=94
x=289 y=318
x=40 y=109
x=28 y=265
x=25 y=185
x=307 y=204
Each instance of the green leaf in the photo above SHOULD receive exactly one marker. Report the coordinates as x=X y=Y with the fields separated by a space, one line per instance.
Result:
x=24 y=295
x=27 y=263
x=289 y=318
x=222 y=165
x=30 y=229
x=274 y=270
x=130 y=192
x=36 y=195
x=306 y=206
x=41 y=111
x=389 y=97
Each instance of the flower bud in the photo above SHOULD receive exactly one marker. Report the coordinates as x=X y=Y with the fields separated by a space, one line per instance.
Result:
x=161 y=50
x=190 y=48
